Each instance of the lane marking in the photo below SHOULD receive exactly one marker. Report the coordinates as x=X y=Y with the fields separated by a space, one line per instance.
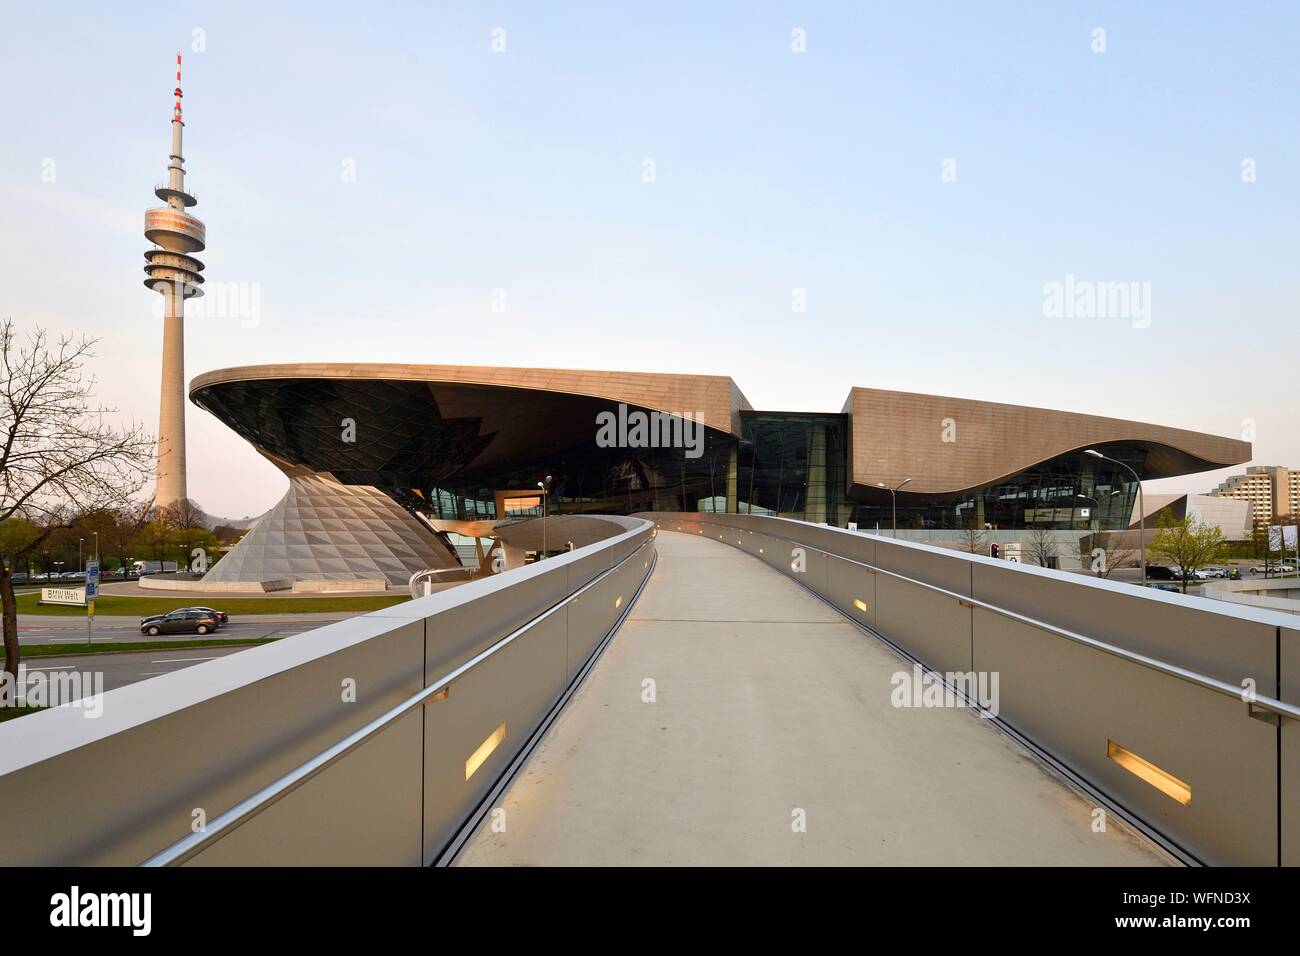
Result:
x=177 y=660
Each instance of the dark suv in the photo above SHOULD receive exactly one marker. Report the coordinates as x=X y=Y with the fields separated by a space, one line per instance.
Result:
x=179 y=622
x=1158 y=572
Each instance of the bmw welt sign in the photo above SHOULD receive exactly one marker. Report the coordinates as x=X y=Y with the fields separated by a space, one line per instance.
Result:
x=75 y=596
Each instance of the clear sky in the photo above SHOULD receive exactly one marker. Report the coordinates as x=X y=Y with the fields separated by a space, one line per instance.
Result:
x=774 y=171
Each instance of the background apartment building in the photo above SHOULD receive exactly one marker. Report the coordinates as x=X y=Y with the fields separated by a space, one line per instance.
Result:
x=1273 y=492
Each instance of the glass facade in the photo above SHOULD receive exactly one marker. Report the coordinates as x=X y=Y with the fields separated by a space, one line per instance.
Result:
x=794 y=465
x=1071 y=492
x=456 y=451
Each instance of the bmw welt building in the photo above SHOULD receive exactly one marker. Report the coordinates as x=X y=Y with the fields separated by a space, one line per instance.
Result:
x=389 y=465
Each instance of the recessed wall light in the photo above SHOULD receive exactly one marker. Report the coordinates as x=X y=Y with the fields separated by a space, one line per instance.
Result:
x=484 y=750
x=1162 y=780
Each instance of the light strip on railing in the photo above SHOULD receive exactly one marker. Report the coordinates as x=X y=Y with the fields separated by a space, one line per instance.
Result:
x=1144 y=769
x=484 y=750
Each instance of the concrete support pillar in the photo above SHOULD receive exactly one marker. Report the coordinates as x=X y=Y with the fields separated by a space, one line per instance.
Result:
x=815 y=493
x=171 y=406
x=731 y=479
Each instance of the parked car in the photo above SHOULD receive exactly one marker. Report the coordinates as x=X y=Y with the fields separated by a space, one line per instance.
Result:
x=1158 y=572
x=221 y=616
x=1269 y=569
x=1214 y=571
x=1161 y=586
x=1190 y=574
x=18 y=577
x=184 y=621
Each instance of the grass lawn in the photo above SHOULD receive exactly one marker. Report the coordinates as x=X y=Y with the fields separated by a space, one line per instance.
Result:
x=109 y=605
x=31 y=651
x=9 y=713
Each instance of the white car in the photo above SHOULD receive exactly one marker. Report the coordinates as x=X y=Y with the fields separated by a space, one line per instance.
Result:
x=1214 y=571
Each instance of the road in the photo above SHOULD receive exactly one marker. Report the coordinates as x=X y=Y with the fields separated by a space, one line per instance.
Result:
x=34 y=629
x=126 y=667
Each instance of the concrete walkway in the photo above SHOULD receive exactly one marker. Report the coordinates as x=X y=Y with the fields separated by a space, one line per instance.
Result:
x=771 y=708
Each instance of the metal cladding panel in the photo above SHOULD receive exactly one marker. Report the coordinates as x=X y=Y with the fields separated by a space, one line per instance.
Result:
x=847 y=585
x=775 y=552
x=1195 y=633
x=933 y=628
x=322 y=530
x=1289 y=771
x=897 y=435
x=216 y=750
x=589 y=567
x=1072 y=700
x=830 y=540
x=378 y=782
x=816 y=572
x=458 y=633
x=592 y=614
x=515 y=687
x=946 y=569
x=715 y=397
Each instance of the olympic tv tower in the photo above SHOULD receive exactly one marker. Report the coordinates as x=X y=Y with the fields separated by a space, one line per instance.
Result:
x=176 y=274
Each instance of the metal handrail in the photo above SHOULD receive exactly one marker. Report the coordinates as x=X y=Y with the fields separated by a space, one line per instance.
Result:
x=224 y=824
x=411 y=583
x=1270 y=704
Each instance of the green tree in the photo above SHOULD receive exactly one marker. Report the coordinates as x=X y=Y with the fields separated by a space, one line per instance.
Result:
x=156 y=541
x=1189 y=544
x=16 y=537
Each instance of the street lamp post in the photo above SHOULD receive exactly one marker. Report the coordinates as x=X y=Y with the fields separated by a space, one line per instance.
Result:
x=81 y=565
x=1142 y=510
x=546 y=487
x=893 y=498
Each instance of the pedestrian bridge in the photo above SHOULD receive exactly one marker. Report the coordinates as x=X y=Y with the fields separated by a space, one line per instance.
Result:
x=703 y=689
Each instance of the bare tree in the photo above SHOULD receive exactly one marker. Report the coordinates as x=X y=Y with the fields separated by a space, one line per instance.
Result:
x=183 y=515
x=1042 y=547
x=60 y=457
x=131 y=520
x=973 y=540
x=191 y=527
x=1103 y=552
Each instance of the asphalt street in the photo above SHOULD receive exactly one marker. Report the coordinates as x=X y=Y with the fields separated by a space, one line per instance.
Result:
x=127 y=667
x=40 y=629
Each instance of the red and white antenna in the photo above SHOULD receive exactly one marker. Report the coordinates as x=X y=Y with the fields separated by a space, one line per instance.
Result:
x=176 y=117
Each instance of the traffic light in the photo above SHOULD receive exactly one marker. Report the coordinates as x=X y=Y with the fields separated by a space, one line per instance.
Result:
x=994 y=550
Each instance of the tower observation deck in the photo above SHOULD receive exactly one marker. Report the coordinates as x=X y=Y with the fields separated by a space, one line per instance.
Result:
x=176 y=274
